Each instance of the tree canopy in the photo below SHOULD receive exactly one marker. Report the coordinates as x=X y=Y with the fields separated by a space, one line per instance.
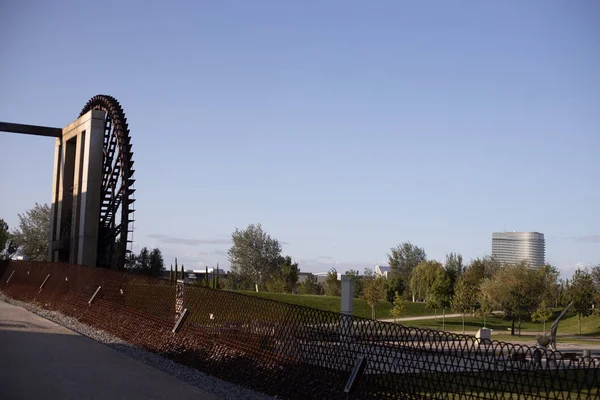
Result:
x=285 y=278
x=311 y=286
x=480 y=269
x=398 y=306
x=454 y=267
x=33 y=232
x=147 y=262
x=372 y=292
x=513 y=289
x=254 y=254
x=581 y=291
x=404 y=258
x=464 y=299
x=423 y=278
x=4 y=235
x=333 y=287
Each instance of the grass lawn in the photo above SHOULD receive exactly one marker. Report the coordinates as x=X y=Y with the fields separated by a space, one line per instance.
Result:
x=590 y=326
x=497 y=324
x=333 y=303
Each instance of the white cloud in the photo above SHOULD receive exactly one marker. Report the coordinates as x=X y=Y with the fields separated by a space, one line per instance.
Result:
x=568 y=270
x=186 y=241
x=586 y=238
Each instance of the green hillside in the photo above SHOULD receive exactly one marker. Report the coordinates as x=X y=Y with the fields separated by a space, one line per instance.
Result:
x=590 y=326
x=333 y=303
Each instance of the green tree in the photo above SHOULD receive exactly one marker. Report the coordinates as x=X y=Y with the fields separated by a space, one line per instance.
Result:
x=311 y=286
x=438 y=295
x=398 y=306
x=542 y=314
x=4 y=235
x=254 y=254
x=404 y=258
x=236 y=281
x=157 y=264
x=149 y=263
x=454 y=268
x=480 y=269
x=333 y=287
x=289 y=272
x=485 y=308
x=595 y=273
x=285 y=278
x=514 y=289
x=549 y=283
x=394 y=284
x=140 y=263
x=423 y=278
x=464 y=299
x=581 y=291
x=33 y=232
x=442 y=291
x=373 y=292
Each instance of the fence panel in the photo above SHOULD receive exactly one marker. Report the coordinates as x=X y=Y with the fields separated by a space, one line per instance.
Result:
x=296 y=352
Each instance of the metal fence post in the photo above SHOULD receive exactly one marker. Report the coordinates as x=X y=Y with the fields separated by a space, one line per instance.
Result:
x=179 y=298
x=180 y=320
x=94 y=295
x=43 y=283
x=359 y=367
x=11 y=274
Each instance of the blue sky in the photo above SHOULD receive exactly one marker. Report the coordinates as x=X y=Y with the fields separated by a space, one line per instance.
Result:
x=344 y=127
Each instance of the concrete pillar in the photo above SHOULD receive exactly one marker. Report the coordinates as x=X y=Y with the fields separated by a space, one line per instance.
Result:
x=54 y=221
x=76 y=190
x=91 y=190
x=347 y=307
x=347 y=295
x=79 y=143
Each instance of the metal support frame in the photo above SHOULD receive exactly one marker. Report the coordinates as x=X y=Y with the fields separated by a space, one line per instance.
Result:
x=180 y=320
x=94 y=295
x=550 y=334
x=357 y=371
x=43 y=283
x=11 y=274
x=31 y=129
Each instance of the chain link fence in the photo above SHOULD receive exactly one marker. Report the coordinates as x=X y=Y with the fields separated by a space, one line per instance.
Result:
x=297 y=352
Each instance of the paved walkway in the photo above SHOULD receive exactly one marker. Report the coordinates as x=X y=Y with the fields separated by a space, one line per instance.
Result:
x=420 y=318
x=42 y=360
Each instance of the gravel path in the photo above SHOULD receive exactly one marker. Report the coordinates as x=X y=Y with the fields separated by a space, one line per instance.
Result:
x=217 y=387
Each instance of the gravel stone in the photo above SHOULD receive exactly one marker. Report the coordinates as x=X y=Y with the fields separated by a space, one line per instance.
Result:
x=215 y=386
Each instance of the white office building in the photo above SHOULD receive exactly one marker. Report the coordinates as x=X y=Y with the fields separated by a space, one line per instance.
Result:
x=514 y=247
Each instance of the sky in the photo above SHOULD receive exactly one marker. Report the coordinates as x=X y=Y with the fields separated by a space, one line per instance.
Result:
x=343 y=127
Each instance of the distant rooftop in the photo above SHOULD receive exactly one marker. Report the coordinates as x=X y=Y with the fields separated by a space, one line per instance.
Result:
x=383 y=268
